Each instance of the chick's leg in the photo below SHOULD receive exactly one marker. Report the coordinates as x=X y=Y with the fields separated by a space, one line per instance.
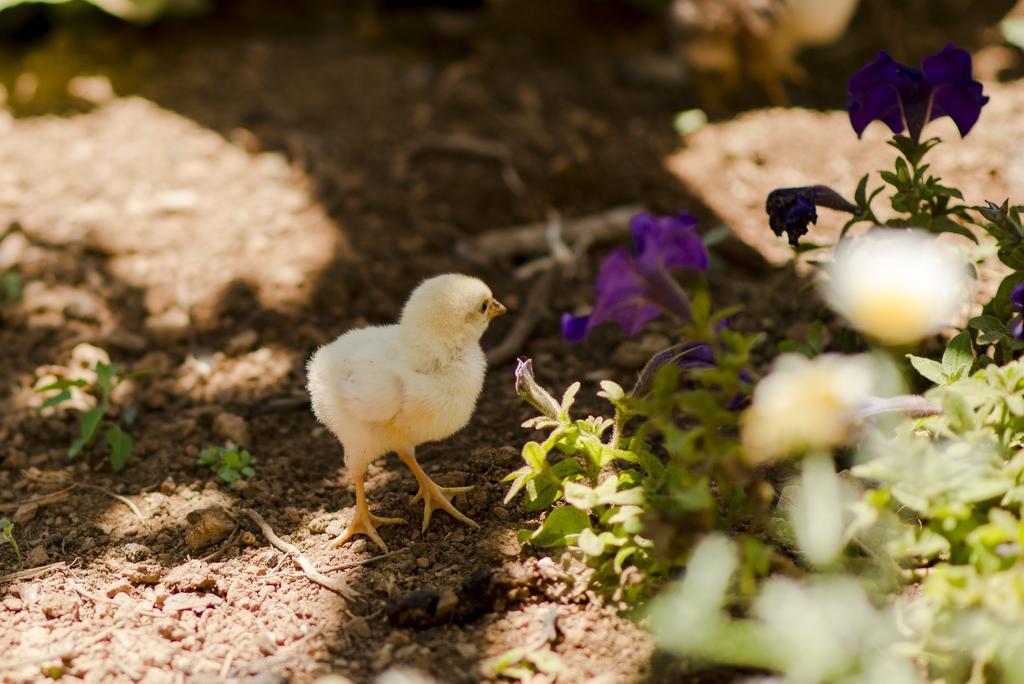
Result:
x=364 y=522
x=433 y=495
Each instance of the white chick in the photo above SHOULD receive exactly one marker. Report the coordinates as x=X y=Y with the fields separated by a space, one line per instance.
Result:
x=394 y=387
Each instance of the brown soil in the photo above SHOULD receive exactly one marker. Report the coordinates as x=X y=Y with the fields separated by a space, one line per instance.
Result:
x=248 y=191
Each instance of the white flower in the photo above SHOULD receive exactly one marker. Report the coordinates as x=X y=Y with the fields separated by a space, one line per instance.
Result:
x=806 y=404
x=897 y=286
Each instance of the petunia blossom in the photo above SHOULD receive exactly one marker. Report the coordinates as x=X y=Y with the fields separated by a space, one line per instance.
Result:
x=633 y=289
x=791 y=210
x=903 y=97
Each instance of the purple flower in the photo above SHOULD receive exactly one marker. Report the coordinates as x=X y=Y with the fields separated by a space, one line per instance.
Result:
x=904 y=97
x=791 y=210
x=1017 y=296
x=632 y=290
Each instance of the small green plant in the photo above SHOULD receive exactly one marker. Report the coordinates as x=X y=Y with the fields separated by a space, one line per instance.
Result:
x=7 y=534
x=94 y=421
x=230 y=463
x=11 y=287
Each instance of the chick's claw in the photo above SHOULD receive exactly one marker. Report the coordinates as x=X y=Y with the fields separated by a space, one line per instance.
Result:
x=364 y=522
x=437 y=497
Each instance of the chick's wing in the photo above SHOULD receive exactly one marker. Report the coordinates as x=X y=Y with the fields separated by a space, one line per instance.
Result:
x=370 y=392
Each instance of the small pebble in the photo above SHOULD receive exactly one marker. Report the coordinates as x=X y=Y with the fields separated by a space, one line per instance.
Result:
x=13 y=604
x=37 y=556
x=167 y=487
x=233 y=428
x=423 y=563
x=25 y=513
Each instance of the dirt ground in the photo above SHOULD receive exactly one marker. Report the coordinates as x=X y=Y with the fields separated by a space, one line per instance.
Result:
x=215 y=198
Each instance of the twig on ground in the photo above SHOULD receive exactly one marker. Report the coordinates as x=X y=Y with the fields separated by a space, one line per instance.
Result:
x=52 y=497
x=533 y=238
x=123 y=499
x=220 y=552
x=470 y=146
x=72 y=484
x=536 y=306
x=336 y=585
x=361 y=563
x=278 y=404
x=31 y=572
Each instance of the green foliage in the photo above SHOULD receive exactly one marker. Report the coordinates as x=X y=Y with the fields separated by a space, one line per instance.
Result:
x=11 y=287
x=920 y=199
x=956 y=363
x=639 y=501
x=230 y=463
x=94 y=421
x=7 y=534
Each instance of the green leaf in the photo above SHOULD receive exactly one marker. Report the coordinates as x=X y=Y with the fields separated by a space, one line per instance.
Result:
x=580 y=496
x=533 y=454
x=932 y=370
x=62 y=384
x=958 y=357
x=611 y=391
x=590 y=543
x=91 y=420
x=560 y=524
x=120 y=447
x=56 y=399
x=568 y=399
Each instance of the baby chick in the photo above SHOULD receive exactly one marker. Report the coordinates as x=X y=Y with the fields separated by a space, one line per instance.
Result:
x=727 y=42
x=393 y=387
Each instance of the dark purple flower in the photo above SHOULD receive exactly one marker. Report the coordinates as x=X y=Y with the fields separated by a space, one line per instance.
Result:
x=1017 y=296
x=791 y=210
x=632 y=290
x=904 y=97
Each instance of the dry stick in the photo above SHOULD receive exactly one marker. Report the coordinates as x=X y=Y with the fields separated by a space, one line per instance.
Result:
x=536 y=307
x=336 y=585
x=32 y=572
x=468 y=145
x=533 y=238
x=126 y=501
x=42 y=500
x=361 y=563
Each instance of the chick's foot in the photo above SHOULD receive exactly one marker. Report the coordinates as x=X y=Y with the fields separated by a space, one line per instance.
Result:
x=364 y=522
x=437 y=497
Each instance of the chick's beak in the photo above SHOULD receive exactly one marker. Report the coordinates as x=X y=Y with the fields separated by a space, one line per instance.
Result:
x=494 y=308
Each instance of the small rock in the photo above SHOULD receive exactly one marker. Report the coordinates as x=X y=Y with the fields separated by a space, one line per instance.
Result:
x=248 y=539
x=37 y=556
x=197 y=603
x=144 y=573
x=397 y=638
x=232 y=427
x=57 y=605
x=423 y=563
x=12 y=249
x=358 y=627
x=13 y=604
x=207 y=526
x=358 y=546
x=167 y=487
x=118 y=587
x=126 y=340
x=25 y=513
x=170 y=326
x=192 y=576
x=467 y=651
x=242 y=342
x=135 y=552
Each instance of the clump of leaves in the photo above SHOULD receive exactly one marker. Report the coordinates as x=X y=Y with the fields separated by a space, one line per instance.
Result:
x=230 y=463
x=95 y=420
x=7 y=534
x=524 y=662
x=639 y=501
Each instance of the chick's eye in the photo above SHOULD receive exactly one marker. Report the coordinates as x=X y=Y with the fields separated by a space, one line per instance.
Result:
x=483 y=307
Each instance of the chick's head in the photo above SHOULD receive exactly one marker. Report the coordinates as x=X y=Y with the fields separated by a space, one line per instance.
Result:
x=452 y=307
